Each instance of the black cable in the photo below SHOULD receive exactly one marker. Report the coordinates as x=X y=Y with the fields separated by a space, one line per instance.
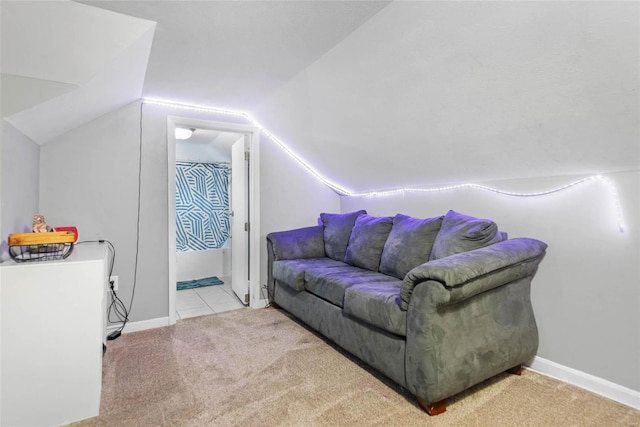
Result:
x=116 y=305
x=135 y=268
x=269 y=296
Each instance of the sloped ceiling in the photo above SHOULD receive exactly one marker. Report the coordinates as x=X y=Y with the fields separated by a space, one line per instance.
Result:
x=377 y=95
x=449 y=92
x=235 y=54
x=65 y=63
x=373 y=95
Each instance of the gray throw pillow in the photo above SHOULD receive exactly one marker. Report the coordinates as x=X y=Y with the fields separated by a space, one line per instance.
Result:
x=461 y=233
x=367 y=241
x=409 y=244
x=337 y=230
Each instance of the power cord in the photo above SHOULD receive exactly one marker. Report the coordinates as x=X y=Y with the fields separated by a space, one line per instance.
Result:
x=269 y=296
x=116 y=310
x=116 y=307
x=135 y=268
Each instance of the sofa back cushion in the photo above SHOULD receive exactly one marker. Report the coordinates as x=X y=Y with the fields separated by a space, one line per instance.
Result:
x=409 y=244
x=461 y=233
x=367 y=241
x=337 y=230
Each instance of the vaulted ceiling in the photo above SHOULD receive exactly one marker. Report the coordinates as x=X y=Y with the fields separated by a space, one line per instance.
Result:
x=235 y=54
x=64 y=63
x=372 y=95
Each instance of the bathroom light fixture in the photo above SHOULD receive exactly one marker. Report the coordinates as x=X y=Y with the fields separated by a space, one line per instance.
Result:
x=343 y=192
x=182 y=133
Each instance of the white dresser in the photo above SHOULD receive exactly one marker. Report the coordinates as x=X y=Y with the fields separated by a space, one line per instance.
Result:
x=52 y=328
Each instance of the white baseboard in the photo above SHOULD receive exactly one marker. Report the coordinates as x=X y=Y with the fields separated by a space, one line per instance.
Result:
x=586 y=381
x=262 y=303
x=141 y=325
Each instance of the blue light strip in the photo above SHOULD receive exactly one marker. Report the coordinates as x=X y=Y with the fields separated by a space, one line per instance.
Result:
x=344 y=192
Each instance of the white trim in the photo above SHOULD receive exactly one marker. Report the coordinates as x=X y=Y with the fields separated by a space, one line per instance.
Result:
x=259 y=302
x=254 y=220
x=586 y=381
x=171 y=206
x=141 y=325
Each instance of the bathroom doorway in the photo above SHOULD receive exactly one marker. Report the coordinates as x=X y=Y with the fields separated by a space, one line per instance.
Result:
x=211 y=233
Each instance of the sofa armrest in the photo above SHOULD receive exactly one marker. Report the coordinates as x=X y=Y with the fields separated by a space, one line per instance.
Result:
x=470 y=273
x=301 y=243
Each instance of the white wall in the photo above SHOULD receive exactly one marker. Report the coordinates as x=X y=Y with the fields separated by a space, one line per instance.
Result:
x=89 y=178
x=290 y=196
x=99 y=194
x=20 y=180
x=449 y=91
x=193 y=265
x=585 y=294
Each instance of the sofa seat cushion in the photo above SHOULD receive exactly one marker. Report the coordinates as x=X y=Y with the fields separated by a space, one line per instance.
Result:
x=331 y=283
x=378 y=304
x=291 y=271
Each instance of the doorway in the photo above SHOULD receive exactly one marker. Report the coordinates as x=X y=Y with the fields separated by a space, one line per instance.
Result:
x=221 y=146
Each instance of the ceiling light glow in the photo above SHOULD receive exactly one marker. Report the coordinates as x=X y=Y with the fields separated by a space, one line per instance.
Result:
x=182 y=133
x=344 y=192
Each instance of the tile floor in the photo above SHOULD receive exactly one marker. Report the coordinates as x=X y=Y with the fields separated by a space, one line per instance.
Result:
x=206 y=300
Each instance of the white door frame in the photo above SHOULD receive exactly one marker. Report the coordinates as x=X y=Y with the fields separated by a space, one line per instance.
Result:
x=240 y=207
x=254 y=199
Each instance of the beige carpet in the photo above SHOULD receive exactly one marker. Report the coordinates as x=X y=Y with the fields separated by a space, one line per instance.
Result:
x=260 y=368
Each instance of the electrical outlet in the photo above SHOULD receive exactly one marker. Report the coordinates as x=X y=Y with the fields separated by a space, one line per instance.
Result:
x=114 y=279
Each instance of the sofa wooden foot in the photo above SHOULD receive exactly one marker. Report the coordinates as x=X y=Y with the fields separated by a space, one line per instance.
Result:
x=275 y=305
x=516 y=370
x=434 y=408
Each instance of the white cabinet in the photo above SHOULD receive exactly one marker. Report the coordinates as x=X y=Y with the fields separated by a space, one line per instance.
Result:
x=52 y=328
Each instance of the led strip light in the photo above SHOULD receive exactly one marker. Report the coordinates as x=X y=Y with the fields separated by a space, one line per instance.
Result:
x=257 y=124
x=606 y=181
x=343 y=192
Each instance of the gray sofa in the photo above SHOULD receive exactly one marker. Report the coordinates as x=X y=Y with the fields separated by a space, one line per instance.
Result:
x=436 y=305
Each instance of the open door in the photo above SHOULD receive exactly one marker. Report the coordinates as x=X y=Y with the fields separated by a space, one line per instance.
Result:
x=240 y=219
x=245 y=206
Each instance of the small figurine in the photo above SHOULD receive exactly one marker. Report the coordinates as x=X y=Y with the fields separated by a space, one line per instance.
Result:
x=39 y=224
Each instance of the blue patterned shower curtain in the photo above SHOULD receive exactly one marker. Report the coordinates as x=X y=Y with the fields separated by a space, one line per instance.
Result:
x=202 y=205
